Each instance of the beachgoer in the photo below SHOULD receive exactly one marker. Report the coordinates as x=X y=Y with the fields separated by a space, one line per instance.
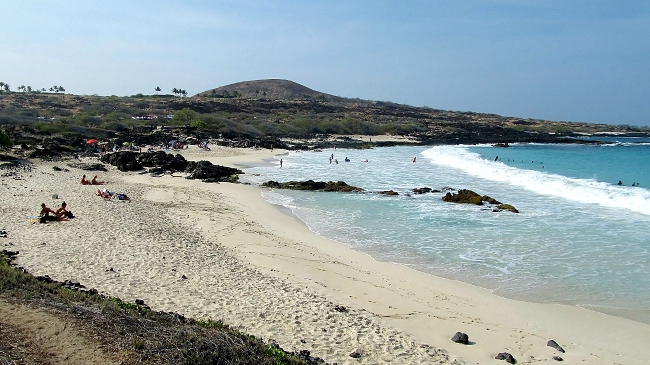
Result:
x=280 y=162
x=347 y=159
x=95 y=182
x=45 y=214
x=63 y=211
x=414 y=158
x=84 y=181
x=496 y=158
x=620 y=182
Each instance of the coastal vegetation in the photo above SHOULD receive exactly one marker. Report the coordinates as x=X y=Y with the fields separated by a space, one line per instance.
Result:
x=131 y=332
x=264 y=109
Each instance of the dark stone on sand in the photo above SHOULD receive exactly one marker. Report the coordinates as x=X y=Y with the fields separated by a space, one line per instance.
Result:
x=553 y=344
x=507 y=357
x=340 y=308
x=460 y=337
x=557 y=358
x=45 y=279
x=123 y=160
x=139 y=302
x=10 y=253
x=207 y=172
x=74 y=285
x=339 y=186
x=355 y=354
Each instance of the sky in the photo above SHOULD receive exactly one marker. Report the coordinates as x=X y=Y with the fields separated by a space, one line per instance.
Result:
x=579 y=60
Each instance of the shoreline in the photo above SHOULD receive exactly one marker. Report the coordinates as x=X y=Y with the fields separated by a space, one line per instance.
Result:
x=297 y=275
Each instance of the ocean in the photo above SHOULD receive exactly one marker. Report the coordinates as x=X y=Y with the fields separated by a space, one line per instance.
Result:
x=579 y=238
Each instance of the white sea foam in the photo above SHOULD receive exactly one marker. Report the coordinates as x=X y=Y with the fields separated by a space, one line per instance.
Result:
x=579 y=190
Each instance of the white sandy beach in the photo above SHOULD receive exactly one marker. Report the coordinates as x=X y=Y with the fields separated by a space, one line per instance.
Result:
x=220 y=251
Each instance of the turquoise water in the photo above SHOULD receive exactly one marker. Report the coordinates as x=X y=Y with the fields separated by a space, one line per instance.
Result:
x=579 y=238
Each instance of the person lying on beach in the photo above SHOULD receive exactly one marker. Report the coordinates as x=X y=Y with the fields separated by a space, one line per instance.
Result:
x=45 y=214
x=95 y=182
x=84 y=181
x=63 y=212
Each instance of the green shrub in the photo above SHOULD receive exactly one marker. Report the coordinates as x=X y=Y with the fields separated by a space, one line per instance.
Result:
x=5 y=141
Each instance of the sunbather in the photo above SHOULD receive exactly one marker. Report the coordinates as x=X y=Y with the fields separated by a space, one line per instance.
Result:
x=45 y=216
x=63 y=212
x=84 y=181
x=95 y=182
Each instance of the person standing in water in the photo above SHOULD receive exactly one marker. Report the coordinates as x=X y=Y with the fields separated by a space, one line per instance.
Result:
x=280 y=163
x=414 y=158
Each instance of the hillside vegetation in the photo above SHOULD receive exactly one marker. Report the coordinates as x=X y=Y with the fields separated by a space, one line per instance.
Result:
x=265 y=109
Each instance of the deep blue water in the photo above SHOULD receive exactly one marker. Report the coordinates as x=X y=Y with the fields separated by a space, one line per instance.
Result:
x=580 y=238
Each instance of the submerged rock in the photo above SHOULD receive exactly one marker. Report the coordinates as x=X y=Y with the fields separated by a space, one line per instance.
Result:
x=339 y=186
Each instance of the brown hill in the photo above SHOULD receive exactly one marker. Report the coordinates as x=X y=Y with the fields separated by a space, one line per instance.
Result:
x=270 y=89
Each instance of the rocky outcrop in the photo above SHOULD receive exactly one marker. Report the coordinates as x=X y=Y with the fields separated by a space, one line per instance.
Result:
x=465 y=196
x=124 y=161
x=206 y=171
x=161 y=162
x=339 y=186
x=461 y=337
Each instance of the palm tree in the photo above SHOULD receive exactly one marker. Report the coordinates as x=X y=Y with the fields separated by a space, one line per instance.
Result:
x=158 y=89
x=184 y=92
x=175 y=91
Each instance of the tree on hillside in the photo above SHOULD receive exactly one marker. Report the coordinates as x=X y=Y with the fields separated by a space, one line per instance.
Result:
x=158 y=89
x=184 y=116
x=175 y=91
x=6 y=87
x=22 y=88
x=184 y=92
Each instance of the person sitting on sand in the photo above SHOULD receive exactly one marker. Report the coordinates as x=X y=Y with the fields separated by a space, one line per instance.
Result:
x=45 y=214
x=95 y=182
x=63 y=212
x=84 y=181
